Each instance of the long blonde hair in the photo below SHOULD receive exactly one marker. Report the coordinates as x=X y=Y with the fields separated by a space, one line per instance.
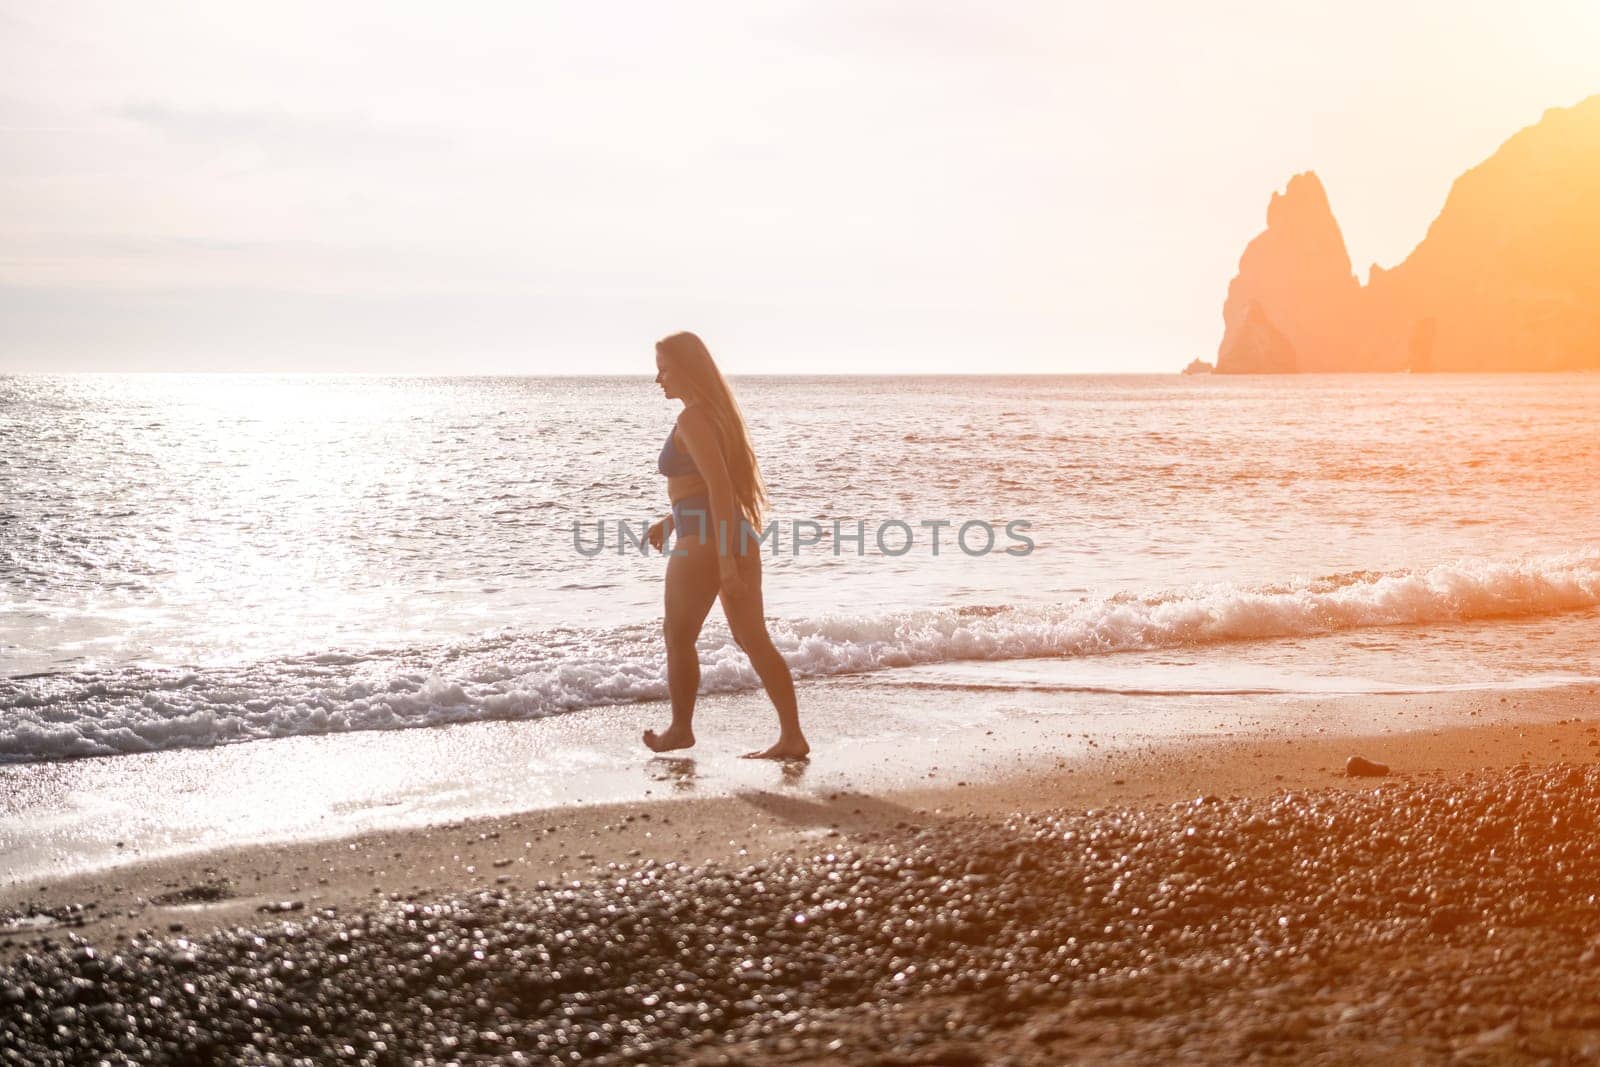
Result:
x=689 y=354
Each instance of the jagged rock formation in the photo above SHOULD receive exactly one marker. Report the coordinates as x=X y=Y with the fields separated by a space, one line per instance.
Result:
x=1199 y=366
x=1507 y=278
x=1292 y=305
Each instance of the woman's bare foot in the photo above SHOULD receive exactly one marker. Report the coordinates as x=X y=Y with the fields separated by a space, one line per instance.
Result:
x=786 y=748
x=673 y=739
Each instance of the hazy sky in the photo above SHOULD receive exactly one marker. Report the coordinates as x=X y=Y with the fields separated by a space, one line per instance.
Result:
x=850 y=186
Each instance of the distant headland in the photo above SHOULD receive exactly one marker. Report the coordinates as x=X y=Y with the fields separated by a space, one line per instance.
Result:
x=1507 y=278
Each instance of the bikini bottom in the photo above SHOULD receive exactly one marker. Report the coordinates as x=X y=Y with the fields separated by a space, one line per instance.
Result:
x=692 y=515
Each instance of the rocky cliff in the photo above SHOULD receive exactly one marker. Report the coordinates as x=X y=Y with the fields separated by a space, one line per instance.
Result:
x=1292 y=305
x=1507 y=278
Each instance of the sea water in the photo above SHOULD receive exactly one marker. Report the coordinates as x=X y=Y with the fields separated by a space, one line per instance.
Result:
x=190 y=561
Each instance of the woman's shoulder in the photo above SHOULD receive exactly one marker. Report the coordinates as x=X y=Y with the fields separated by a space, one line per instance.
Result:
x=697 y=416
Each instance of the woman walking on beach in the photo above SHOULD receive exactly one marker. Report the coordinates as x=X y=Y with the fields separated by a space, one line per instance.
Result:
x=715 y=487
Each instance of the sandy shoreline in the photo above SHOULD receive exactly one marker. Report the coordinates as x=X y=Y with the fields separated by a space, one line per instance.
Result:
x=198 y=892
x=1210 y=899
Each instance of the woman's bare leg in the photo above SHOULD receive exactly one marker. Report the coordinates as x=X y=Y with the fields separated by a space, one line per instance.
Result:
x=690 y=588
x=747 y=621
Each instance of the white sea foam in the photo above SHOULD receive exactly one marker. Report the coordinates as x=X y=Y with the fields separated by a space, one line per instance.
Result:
x=526 y=676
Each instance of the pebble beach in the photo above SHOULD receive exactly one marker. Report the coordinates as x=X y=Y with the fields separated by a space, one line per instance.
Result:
x=1442 y=913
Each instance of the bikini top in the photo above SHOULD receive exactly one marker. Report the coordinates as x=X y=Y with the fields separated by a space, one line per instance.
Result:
x=675 y=462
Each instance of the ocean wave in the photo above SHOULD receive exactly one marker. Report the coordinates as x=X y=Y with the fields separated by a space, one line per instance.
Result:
x=527 y=676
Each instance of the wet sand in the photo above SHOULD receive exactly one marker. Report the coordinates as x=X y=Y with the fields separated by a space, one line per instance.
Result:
x=58 y=818
x=1209 y=899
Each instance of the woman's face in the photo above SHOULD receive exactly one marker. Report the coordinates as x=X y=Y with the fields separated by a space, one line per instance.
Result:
x=670 y=379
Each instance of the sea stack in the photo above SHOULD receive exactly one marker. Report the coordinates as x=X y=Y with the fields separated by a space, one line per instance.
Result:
x=1292 y=305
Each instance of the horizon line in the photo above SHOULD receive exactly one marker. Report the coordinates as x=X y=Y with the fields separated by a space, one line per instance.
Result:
x=597 y=374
